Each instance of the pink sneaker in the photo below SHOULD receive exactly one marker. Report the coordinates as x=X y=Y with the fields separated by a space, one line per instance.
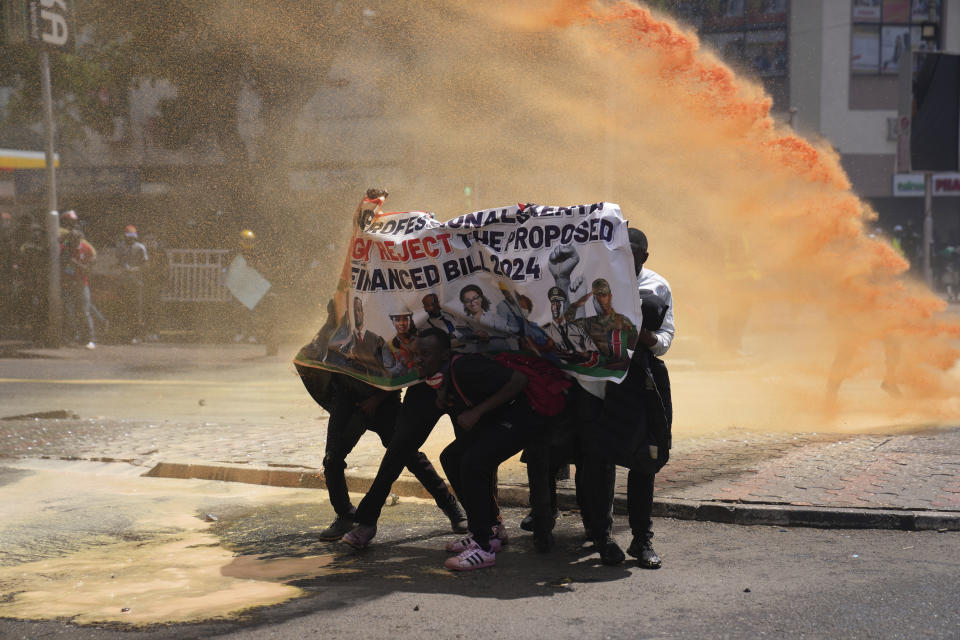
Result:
x=473 y=557
x=498 y=538
x=464 y=543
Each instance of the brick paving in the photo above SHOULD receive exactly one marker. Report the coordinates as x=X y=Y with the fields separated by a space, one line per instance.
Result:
x=919 y=471
x=820 y=470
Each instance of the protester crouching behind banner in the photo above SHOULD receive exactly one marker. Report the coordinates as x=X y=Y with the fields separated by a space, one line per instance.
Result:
x=493 y=421
x=483 y=280
x=356 y=407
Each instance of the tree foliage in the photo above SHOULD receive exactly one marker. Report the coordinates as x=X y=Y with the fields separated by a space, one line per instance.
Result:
x=209 y=51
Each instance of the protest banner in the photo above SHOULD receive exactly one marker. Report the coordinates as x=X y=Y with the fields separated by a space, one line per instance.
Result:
x=557 y=282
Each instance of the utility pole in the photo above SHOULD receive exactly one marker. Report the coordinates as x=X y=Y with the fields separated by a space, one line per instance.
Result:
x=49 y=26
x=54 y=310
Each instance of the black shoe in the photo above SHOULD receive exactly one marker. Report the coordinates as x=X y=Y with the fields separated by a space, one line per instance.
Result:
x=527 y=523
x=610 y=552
x=543 y=541
x=642 y=550
x=337 y=528
x=458 y=519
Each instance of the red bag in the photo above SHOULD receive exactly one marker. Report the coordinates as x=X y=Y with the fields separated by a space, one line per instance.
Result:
x=546 y=384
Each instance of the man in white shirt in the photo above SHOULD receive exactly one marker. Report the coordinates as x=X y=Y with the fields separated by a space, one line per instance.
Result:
x=657 y=341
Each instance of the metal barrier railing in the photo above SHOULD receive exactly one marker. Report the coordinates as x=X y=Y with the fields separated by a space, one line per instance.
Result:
x=196 y=275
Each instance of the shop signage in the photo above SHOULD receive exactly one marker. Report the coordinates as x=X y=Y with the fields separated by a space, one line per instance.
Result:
x=43 y=23
x=906 y=185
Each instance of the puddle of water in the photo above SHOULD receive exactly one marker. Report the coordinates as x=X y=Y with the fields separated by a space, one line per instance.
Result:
x=178 y=580
x=163 y=565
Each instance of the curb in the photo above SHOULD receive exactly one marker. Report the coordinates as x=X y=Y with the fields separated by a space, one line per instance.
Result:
x=517 y=496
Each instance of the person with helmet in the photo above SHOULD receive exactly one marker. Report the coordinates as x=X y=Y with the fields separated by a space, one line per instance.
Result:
x=132 y=258
x=68 y=222
x=248 y=240
x=258 y=324
x=398 y=352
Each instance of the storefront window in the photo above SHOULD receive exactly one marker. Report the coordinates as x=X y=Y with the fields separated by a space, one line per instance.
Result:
x=883 y=30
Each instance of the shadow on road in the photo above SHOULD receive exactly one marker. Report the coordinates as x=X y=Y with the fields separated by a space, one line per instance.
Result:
x=407 y=556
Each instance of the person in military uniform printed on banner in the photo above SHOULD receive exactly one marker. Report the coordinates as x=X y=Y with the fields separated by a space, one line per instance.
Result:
x=569 y=342
x=612 y=332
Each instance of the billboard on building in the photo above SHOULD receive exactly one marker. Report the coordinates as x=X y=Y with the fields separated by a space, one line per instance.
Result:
x=935 y=113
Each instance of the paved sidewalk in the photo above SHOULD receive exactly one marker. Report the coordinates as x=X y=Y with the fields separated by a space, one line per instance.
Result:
x=906 y=481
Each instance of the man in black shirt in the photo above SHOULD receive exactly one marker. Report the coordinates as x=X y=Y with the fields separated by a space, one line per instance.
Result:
x=354 y=408
x=492 y=420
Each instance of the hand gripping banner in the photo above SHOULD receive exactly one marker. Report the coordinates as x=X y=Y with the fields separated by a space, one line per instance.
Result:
x=557 y=282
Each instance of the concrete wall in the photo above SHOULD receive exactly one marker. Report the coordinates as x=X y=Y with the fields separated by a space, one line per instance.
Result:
x=851 y=131
x=806 y=63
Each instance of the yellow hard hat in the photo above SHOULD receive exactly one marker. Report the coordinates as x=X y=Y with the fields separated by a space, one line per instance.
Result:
x=247 y=238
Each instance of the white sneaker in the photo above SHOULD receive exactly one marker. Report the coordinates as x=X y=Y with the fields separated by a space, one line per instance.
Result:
x=473 y=557
x=90 y=345
x=464 y=543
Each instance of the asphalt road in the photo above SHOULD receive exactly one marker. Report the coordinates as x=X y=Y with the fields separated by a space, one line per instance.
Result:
x=93 y=551
x=155 y=382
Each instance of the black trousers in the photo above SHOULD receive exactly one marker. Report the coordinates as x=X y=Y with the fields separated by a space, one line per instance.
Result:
x=470 y=462
x=543 y=462
x=344 y=429
x=417 y=417
x=640 y=485
x=595 y=475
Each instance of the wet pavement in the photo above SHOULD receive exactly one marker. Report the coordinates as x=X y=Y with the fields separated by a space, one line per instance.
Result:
x=94 y=551
x=233 y=414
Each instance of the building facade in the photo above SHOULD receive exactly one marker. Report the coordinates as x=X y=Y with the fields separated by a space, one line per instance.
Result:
x=832 y=68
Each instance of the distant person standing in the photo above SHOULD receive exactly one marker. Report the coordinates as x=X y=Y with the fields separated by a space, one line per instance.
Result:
x=257 y=323
x=154 y=278
x=69 y=220
x=34 y=264
x=76 y=261
x=132 y=257
x=7 y=261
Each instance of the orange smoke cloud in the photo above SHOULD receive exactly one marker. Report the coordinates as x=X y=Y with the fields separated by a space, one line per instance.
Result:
x=756 y=228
